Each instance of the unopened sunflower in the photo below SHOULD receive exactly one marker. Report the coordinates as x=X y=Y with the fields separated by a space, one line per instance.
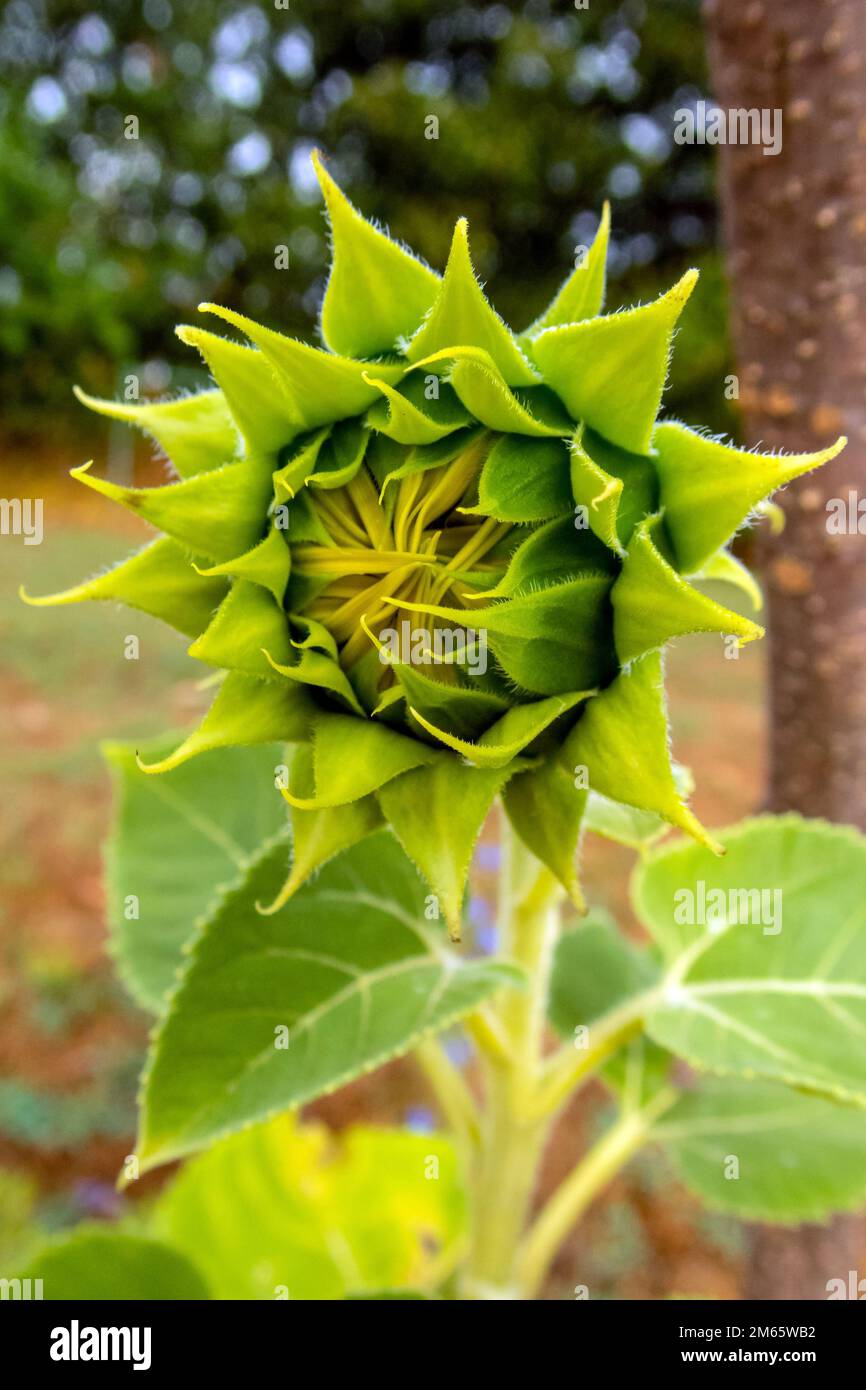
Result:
x=440 y=559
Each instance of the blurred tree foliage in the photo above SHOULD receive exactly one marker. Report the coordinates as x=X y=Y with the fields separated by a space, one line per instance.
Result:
x=112 y=229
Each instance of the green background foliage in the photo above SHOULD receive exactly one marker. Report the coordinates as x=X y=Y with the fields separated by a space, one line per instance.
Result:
x=543 y=112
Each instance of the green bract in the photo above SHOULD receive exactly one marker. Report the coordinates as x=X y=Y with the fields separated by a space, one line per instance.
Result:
x=440 y=559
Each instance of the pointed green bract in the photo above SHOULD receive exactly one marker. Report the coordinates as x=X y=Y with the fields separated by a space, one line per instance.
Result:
x=369 y=269
x=160 y=580
x=309 y=667
x=466 y=711
x=269 y=564
x=218 y=514
x=341 y=455
x=611 y=371
x=582 y=295
x=622 y=741
x=550 y=641
x=480 y=385
x=247 y=625
x=461 y=316
x=652 y=603
x=410 y=417
x=626 y=825
x=251 y=391
x=320 y=386
x=318 y=835
x=525 y=480
x=613 y=489
x=196 y=432
x=727 y=569
x=708 y=488
x=509 y=736
x=437 y=813
x=546 y=808
x=352 y=758
x=246 y=711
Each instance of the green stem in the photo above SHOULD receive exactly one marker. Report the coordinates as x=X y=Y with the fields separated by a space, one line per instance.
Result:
x=566 y=1069
x=575 y=1194
x=512 y=1140
x=452 y=1094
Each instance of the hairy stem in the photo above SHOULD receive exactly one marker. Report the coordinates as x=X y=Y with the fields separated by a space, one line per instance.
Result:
x=575 y=1194
x=452 y=1094
x=512 y=1140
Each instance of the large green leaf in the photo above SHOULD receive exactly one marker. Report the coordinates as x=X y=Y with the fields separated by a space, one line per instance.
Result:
x=595 y=969
x=285 y=1210
x=175 y=840
x=106 y=1265
x=766 y=954
x=767 y=1153
x=348 y=973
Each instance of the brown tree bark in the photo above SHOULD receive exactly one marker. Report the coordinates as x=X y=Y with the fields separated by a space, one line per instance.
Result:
x=795 y=234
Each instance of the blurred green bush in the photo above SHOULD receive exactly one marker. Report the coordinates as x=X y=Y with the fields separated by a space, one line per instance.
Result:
x=543 y=108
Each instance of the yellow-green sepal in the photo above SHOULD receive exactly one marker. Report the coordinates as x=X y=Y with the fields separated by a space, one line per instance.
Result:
x=621 y=745
x=245 y=711
x=652 y=603
x=437 y=812
x=320 y=386
x=219 y=514
x=197 y=432
x=546 y=810
x=378 y=291
x=262 y=413
x=611 y=371
x=160 y=580
x=708 y=489
x=462 y=316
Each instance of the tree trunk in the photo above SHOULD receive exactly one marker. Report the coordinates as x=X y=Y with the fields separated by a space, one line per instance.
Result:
x=795 y=232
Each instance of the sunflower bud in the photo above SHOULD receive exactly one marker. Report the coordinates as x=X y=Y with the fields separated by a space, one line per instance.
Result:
x=441 y=559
